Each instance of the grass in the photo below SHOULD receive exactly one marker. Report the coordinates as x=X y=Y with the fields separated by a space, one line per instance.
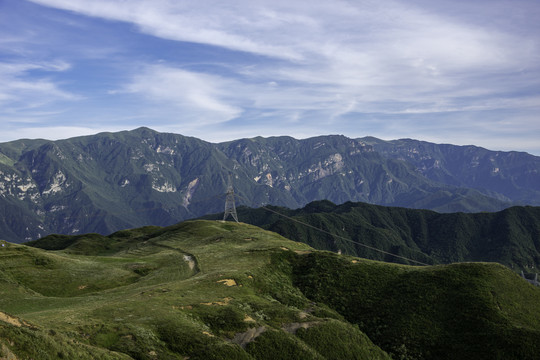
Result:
x=117 y=294
x=453 y=311
x=6 y=160
x=193 y=289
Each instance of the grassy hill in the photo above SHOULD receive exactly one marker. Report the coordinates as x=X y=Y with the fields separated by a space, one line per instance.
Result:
x=214 y=290
x=510 y=237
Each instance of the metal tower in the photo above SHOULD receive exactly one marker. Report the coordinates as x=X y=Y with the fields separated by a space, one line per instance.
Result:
x=230 y=207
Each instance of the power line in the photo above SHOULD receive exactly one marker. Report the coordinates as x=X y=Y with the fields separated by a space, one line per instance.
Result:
x=344 y=238
x=339 y=236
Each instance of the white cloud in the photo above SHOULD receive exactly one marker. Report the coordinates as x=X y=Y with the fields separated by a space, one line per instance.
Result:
x=20 y=91
x=207 y=22
x=203 y=96
x=339 y=30
x=362 y=44
x=223 y=98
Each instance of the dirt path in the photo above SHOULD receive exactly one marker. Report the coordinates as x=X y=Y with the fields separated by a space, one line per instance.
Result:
x=245 y=338
x=190 y=261
x=6 y=354
x=187 y=257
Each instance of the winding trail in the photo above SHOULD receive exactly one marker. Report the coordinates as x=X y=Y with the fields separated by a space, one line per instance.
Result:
x=187 y=257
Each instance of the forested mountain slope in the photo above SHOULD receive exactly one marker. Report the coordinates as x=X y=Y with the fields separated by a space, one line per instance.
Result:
x=510 y=237
x=110 y=181
x=507 y=175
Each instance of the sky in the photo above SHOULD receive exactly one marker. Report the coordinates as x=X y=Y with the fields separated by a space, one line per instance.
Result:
x=457 y=71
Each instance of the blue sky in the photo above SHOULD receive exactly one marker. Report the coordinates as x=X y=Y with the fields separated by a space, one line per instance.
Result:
x=456 y=71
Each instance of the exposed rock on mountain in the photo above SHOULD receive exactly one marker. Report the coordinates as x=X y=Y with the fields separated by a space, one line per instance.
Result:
x=111 y=181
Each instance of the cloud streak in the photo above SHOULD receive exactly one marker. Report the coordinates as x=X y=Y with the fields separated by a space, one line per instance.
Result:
x=19 y=92
x=204 y=96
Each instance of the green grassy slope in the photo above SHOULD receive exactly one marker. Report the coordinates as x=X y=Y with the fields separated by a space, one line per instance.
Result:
x=204 y=290
x=510 y=237
x=214 y=290
x=458 y=311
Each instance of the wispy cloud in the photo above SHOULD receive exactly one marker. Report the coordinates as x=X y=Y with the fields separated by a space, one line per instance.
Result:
x=361 y=44
x=207 y=98
x=19 y=91
x=261 y=66
x=209 y=22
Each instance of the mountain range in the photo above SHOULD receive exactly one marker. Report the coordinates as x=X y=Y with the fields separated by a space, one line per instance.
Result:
x=225 y=290
x=112 y=181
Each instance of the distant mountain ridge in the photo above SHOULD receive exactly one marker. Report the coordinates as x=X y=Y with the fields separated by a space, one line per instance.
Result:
x=512 y=176
x=111 y=181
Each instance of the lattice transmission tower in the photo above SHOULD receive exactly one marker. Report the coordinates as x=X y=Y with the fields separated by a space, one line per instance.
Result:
x=230 y=207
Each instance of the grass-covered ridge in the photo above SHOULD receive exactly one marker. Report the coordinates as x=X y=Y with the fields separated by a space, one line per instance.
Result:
x=510 y=237
x=214 y=290
x=457 y=311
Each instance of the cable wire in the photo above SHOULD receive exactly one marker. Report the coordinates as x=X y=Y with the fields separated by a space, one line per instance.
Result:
x=338 y=236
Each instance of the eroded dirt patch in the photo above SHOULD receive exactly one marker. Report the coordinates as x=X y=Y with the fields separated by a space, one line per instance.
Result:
x=219 y=303
x=190 y=261
x=245 y=338
x=10 y=319
x=228 y=282
x=293 y=327
x=6 y=354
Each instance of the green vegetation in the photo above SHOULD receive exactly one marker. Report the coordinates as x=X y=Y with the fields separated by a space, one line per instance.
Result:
x=33 y=343
x=215 y=290
x=6 y=160
x=510 y=237
x=338 y=340
x=111 y=181
x=458 y=311
x=510 y=175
